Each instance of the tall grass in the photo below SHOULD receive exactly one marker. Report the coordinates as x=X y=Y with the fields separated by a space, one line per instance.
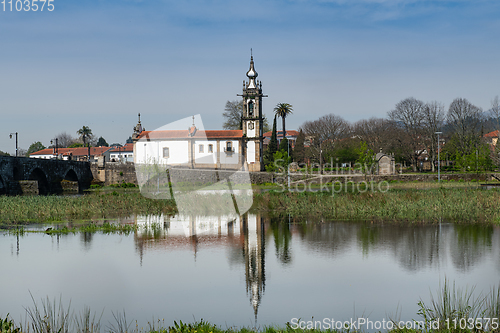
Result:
x=460 y=205
x=19 y=209
x=49 y=318
x=453 y=303
x=450 y=303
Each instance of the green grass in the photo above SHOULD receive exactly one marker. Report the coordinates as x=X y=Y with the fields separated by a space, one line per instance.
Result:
x=23 y=209
x=105 y=228
x=432 y=205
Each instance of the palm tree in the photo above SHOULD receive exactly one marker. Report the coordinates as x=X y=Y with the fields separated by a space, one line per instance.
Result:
x=85 y=133
x=283 y=110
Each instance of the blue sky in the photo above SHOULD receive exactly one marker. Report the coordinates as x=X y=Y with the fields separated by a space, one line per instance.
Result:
x=98 y=63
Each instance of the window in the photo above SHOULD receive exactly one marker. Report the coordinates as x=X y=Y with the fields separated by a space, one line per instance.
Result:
x=166 y=152
x=229 y=146
x=250 y=109
x=201 y=148
x=210 y=148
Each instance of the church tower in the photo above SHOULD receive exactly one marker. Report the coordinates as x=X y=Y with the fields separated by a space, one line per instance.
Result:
x=252 y=121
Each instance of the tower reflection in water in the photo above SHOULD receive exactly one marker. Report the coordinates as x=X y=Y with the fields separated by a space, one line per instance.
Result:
x=246 y=233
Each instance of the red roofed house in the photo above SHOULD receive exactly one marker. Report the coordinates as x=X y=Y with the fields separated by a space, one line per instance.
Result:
x=291 y=135
x=214 y=149
x=121 y=154
x=492 y=137
x=77 y=154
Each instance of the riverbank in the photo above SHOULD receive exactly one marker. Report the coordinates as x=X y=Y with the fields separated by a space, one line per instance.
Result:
x=398 y=202
x=99 y=205
x=461 y=205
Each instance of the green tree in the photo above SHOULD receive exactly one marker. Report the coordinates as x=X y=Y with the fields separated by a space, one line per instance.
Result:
x=299 y=152
x=284 y=145
x=85 y=134
x=35 y=146
x=280 y=163
x=2 y=153
x=76 y=145
x=101 y=142
x=272 y=147
x=283 y=110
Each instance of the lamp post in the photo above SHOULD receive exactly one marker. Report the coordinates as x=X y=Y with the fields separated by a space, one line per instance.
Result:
x=10 y=136
x=56 y=152
x=439 y=162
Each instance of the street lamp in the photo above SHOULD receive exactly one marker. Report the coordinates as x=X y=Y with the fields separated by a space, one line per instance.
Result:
x=51 y=142
x=439 y=163
x=10 y=136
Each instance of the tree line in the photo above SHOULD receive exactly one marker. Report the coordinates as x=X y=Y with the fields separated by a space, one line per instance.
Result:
x=408 y=132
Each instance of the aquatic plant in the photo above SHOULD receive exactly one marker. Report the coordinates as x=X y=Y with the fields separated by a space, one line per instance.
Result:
x=21 y=209
x=7 y=326
x=457 y=205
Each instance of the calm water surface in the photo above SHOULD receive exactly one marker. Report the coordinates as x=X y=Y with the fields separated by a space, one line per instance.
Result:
x=249 y=270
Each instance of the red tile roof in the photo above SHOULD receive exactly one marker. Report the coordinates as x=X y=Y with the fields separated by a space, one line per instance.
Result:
x=280 y=133
x=80 y=151
x=493 y=134
x=180 y=134
x=128 y=148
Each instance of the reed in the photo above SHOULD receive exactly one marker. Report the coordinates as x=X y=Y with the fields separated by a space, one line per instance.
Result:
x=464 y=205
x=22 y=209
x=461 y=310
x=449 y=303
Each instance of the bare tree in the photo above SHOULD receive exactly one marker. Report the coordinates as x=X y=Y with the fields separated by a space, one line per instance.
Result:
x=233 y=112
x=433 y=121
x=465 y=119
x=325 y=131
x=375 y=132
x=64 y=140
x=495 y=111
x=409 y=114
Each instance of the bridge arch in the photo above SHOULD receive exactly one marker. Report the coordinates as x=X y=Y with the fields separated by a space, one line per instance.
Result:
x=38 y=175
x=16 y=174
x=71 y=175
x=3 y=186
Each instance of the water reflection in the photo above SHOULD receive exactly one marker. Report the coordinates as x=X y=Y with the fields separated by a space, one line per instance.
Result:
x=244 y=234
x=326 y=266
x=414 y=247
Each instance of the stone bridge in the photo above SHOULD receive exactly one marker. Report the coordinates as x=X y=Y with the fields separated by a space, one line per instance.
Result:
x=39 y=176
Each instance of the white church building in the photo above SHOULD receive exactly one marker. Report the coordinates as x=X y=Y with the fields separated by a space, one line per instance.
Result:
x=193 y=147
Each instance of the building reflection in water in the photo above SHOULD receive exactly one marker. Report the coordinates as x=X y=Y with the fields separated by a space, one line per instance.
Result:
x=247 y=233
x=413 y=247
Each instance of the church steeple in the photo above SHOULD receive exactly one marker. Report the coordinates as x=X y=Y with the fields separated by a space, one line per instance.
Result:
x=253 y=119
x=252 y=75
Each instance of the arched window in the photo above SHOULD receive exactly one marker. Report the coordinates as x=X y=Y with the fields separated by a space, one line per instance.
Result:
x=250 y=109
x=210 y=148
x=229 y=146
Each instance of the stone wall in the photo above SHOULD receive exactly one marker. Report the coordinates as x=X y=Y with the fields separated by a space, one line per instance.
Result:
x=114 y=173
x=117 y=173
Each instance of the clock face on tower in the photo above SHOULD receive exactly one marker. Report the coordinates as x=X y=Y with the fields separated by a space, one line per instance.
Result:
x=250 y=126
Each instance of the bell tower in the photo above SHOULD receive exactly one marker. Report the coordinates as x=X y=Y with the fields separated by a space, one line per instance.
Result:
x=252 y=121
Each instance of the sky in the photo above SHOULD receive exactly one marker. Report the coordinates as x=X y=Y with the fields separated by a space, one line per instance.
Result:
x=98 y=63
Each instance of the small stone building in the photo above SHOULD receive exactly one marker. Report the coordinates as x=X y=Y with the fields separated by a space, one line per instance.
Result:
x=386 y=164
